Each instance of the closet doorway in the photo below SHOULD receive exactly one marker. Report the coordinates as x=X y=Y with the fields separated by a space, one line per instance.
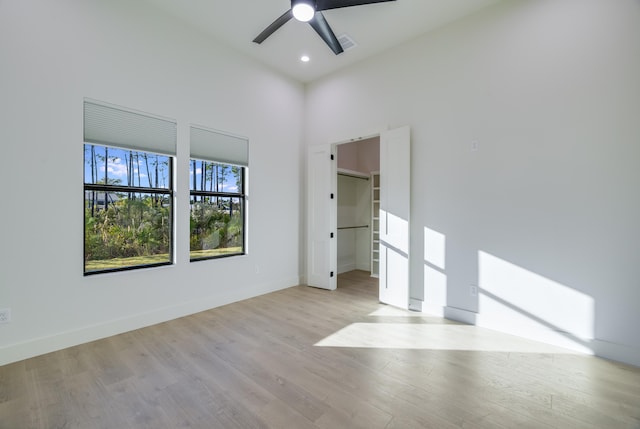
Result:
x=394 y=163
x=358 y=206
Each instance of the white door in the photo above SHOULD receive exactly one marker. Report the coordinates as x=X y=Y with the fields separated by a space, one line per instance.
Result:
x=395 y=179
x=321 y=210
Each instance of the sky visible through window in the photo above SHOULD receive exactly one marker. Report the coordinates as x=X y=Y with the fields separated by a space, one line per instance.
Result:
x=125 y=167
x=214 y=177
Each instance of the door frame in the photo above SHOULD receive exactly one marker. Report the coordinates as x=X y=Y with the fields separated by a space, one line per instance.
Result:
x=334 y=178
x=330 y=176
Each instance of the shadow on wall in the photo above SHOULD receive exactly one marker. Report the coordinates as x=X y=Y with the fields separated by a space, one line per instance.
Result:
x=394 y=259
x=435 y=278
x=519 y=301
x=513 y=299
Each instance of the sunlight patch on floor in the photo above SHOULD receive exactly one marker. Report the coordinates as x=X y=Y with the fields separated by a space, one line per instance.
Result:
x=433 y=337
x=390 y=311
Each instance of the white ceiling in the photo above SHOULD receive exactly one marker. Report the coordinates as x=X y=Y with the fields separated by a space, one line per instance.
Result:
x=375 y=28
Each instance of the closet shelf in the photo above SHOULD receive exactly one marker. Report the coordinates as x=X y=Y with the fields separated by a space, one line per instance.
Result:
x=375 y=224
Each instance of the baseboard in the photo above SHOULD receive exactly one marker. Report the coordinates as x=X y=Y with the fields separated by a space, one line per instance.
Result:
x=460 y=315
x=38 y=346
x=433 y=310
x=346 y=268
x=604 y=349
x=363 y=267
x=415 y=304
x=617 y=352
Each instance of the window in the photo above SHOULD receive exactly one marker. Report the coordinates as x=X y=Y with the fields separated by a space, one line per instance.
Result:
x=217 y=210
x=128 y=190
x=218 y=194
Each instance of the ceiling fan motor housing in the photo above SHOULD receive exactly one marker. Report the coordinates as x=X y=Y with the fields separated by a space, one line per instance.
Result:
x=303 y=10
x=311 y=3
x=311 y=11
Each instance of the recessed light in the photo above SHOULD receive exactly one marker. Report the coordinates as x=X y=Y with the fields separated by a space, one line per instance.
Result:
x=305 y=58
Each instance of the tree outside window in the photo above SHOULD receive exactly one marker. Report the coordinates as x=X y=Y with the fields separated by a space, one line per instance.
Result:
x=128 y=209
x=217 y=210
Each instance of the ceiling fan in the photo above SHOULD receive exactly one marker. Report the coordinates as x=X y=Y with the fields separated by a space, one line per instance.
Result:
x=311 y=11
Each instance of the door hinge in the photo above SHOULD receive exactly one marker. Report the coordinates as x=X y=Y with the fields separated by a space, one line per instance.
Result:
x=331 y=157
x=331 y=196
x=331 y=275
x=331 y=235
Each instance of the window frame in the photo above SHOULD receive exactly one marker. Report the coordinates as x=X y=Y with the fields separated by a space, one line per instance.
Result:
x=242 y=195
x=169 y=192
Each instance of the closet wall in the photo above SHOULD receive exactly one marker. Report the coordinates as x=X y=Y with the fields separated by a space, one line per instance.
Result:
x=356 y=162
x=354 y=203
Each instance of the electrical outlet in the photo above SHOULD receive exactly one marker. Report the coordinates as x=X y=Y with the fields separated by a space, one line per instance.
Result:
x=473 y=290
x=5 y=315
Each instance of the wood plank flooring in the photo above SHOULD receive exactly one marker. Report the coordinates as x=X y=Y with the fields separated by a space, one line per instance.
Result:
x=308 y=358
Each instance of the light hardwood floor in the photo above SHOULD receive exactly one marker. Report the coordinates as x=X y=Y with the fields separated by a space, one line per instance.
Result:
x=308 y=358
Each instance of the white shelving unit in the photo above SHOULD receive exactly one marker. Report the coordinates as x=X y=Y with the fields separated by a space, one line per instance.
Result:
x=375 y=224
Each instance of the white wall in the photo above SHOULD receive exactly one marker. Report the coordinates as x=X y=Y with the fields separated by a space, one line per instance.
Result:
x=52 y=55
x=543 y=217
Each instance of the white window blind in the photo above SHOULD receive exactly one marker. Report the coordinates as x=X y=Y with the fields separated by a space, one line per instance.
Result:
x=110 y=125
x=219 y=147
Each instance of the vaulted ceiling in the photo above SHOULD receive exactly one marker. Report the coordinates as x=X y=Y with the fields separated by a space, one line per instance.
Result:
x=374 y=28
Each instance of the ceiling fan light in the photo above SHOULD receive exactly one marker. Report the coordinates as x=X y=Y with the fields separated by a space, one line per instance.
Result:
x=303 y=10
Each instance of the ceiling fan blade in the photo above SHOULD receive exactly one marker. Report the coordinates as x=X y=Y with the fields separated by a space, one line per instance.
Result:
x=324 y=30
x=335 y=4
x=284 y=18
